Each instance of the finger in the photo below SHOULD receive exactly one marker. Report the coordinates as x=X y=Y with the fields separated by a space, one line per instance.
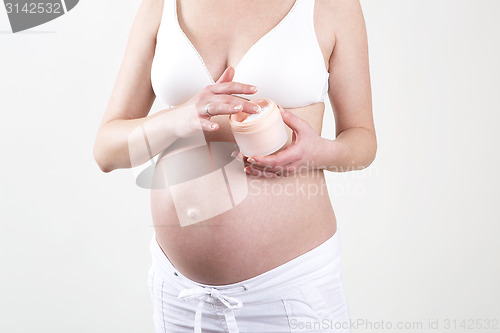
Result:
x=209 y=126
x=260 y=173
x=244 y=105
x=279 y=170
x=239 y=104
x=249 y=107
x=289 y=155
x=237 y=155
x=251 y=172
x=227 y=76
x=293 y=121
x=217 y=109
x=230 y=88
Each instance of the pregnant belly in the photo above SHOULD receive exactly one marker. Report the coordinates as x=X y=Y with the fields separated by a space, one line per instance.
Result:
x=264 y=223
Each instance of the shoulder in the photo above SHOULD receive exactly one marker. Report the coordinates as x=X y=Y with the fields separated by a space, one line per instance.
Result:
x=149 y=16
x=337 y=19
x=153 y=5
x=343 y=15
x=339 y=6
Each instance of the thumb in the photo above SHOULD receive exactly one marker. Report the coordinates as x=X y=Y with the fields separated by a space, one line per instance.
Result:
x=293 y=121
x=227 y=76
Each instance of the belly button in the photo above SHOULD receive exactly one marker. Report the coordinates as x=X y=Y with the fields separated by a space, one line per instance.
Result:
x=192 y=213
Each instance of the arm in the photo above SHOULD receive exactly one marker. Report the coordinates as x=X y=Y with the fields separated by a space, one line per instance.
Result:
x=132 y=95
x=127 y=137
x=350 y=93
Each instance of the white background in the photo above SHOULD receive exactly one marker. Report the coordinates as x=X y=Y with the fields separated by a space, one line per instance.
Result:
x=419 y=228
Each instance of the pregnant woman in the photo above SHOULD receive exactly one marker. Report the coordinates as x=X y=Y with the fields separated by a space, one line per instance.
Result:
x=271 y=263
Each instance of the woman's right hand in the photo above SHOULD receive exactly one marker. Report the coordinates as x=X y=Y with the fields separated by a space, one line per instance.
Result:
x=217 y=99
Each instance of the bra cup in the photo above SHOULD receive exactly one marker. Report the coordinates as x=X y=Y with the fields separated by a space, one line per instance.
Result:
x=286 y=64
x=177 y=73
x=284 y=69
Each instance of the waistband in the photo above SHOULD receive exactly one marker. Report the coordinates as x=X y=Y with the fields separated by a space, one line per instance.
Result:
x=320 y=261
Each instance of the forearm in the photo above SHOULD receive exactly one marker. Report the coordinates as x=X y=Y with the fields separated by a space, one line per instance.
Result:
x=125 y=143
x=353 y=149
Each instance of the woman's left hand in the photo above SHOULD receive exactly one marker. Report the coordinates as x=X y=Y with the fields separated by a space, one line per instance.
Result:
x=297 y=157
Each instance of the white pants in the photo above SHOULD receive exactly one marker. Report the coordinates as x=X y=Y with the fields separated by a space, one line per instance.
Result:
x=302 y=295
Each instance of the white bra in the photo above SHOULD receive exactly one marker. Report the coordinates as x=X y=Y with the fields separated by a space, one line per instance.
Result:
x=286 y=64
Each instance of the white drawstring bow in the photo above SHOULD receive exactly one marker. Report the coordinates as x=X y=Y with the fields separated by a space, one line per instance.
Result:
x=201 y=294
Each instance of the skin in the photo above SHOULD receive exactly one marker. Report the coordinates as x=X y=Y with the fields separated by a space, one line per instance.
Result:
x=266 y=229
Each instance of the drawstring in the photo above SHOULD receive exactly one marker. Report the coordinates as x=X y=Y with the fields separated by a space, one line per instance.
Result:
x=201 y=294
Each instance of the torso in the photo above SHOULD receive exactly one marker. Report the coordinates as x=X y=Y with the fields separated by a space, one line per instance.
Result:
x=268 y=228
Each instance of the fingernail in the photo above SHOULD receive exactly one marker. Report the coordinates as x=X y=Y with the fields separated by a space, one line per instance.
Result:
x=256 y=108
x=246 y=170
x=253 y=88
x=238 y=107
x=213 y=125
x=251 y=160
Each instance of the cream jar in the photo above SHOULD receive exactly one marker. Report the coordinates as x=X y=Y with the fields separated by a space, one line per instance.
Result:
x=261 y=133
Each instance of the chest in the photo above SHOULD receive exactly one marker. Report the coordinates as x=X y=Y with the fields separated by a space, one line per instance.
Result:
x=223 y=31
x=281 y=46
